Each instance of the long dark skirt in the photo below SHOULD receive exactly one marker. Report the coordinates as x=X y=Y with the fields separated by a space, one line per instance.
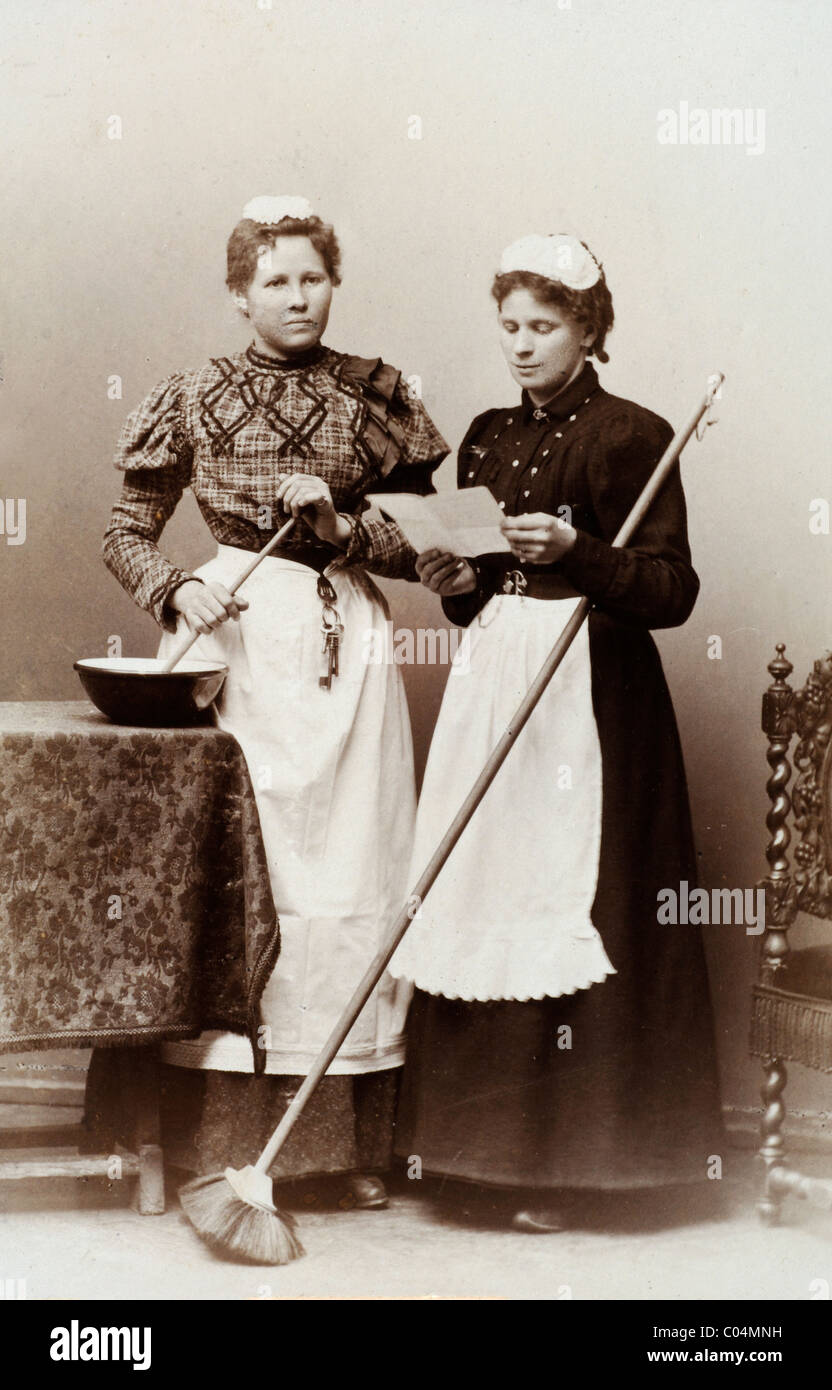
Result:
x=492 y=1093
x=212 y=1119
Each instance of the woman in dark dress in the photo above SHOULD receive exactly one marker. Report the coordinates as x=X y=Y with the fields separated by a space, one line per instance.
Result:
x=559 y=1036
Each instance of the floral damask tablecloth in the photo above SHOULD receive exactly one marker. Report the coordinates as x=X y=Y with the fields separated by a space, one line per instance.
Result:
x=134 y=893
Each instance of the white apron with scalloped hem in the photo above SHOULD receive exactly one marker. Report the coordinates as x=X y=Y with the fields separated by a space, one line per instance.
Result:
x=332 y=772
x=509 y=916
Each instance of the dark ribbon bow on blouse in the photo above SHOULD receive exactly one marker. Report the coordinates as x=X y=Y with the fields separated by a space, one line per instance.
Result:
x=382 y=435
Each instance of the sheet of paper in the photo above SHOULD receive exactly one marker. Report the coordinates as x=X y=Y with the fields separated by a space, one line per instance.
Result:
x=463 y=522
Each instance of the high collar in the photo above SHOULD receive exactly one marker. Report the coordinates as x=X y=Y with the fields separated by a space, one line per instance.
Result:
x=563 y=405
x=264 y=362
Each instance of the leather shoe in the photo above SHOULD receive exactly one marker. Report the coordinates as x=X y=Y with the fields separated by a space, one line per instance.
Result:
x=538 y=1220
x=365 y=1192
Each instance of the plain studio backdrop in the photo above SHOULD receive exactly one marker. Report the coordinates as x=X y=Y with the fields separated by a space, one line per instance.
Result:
x=431 y=136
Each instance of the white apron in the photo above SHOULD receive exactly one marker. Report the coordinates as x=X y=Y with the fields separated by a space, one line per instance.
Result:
x=332 y=772
x=509 y=915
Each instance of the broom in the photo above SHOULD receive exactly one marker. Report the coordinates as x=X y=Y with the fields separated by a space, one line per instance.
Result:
x=234 y=1211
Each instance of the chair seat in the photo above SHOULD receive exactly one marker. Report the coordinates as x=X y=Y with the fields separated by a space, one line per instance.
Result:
x=793 y=1019
x=808 y=972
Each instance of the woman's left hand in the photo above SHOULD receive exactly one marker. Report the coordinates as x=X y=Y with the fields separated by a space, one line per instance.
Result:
x=302 y=493
x=537 y=537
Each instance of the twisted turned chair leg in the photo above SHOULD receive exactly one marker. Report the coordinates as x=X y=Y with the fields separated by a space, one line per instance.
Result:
x=773 y=1150
x=780 y=912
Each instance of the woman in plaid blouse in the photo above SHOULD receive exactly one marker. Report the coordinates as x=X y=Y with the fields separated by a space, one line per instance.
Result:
x=291 y=427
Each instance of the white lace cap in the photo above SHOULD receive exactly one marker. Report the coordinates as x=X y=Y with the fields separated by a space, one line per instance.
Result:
x=270 y=211
x=559 y=257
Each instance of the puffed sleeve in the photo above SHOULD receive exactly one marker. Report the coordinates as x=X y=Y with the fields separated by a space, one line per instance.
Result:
x=406 y=448
x=155 y=455
x=650 y=582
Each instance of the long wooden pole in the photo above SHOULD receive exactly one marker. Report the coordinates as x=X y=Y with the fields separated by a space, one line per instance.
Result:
x=376 y=969
x=185 y=646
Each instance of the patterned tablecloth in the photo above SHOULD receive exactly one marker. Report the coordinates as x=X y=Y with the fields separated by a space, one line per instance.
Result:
x=134 y=894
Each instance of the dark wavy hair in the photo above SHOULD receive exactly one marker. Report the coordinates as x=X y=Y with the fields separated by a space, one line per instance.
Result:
x=591 y=308
x=248 y=237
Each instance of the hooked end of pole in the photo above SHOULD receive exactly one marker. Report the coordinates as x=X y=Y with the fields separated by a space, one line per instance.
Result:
x=715 y=381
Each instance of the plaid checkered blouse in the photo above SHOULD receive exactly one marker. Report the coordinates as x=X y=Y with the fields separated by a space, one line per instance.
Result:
x=228 y=429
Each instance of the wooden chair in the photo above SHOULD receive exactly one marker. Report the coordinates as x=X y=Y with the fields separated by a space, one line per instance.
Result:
x=792 y=1000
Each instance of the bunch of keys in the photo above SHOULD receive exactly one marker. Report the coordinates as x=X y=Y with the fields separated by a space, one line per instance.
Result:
x=332 y=629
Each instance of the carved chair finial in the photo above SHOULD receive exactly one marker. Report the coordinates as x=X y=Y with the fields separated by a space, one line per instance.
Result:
x=779 y=693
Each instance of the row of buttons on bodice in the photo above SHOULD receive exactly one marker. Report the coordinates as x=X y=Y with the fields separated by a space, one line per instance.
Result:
x=540 y=415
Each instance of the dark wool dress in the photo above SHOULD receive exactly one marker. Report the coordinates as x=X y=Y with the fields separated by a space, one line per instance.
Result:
x=489 y=1092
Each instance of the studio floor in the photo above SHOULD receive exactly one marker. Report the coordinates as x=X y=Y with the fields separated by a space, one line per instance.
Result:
x=81 y=1239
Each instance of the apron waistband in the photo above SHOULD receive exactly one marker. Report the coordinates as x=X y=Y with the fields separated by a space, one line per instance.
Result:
x=313 y=556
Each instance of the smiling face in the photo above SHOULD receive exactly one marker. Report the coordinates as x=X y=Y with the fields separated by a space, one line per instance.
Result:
x=288 y=298
x=545 y=348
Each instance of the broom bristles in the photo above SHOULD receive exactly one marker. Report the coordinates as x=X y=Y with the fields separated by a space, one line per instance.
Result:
x=236 y=1229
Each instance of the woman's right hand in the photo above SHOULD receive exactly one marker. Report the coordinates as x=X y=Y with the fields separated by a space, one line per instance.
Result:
x=445 y=574
x=205 y=605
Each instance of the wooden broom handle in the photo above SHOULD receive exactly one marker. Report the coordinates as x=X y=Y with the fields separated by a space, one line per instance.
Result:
x=380 y=962
x=192 y=637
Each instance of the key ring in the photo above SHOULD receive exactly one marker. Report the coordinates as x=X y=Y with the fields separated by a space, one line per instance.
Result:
x=330 y=617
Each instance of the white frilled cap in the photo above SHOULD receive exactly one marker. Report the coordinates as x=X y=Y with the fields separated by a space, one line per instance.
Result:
x=270 y=211
x=562 y=258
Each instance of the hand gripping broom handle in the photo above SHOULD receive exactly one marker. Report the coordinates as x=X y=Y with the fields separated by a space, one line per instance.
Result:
x=376 y=969
x=192 y=637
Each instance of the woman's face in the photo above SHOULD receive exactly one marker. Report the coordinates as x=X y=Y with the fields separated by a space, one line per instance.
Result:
x=289 y=297
x=544 y=347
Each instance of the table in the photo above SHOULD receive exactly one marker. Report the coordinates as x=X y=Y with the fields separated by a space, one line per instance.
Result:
x=135 y=903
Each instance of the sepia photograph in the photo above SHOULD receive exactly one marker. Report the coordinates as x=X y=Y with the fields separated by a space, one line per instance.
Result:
x=416 y=682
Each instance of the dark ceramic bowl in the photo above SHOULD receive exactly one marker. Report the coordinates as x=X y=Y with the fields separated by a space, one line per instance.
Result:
x=135 y=690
